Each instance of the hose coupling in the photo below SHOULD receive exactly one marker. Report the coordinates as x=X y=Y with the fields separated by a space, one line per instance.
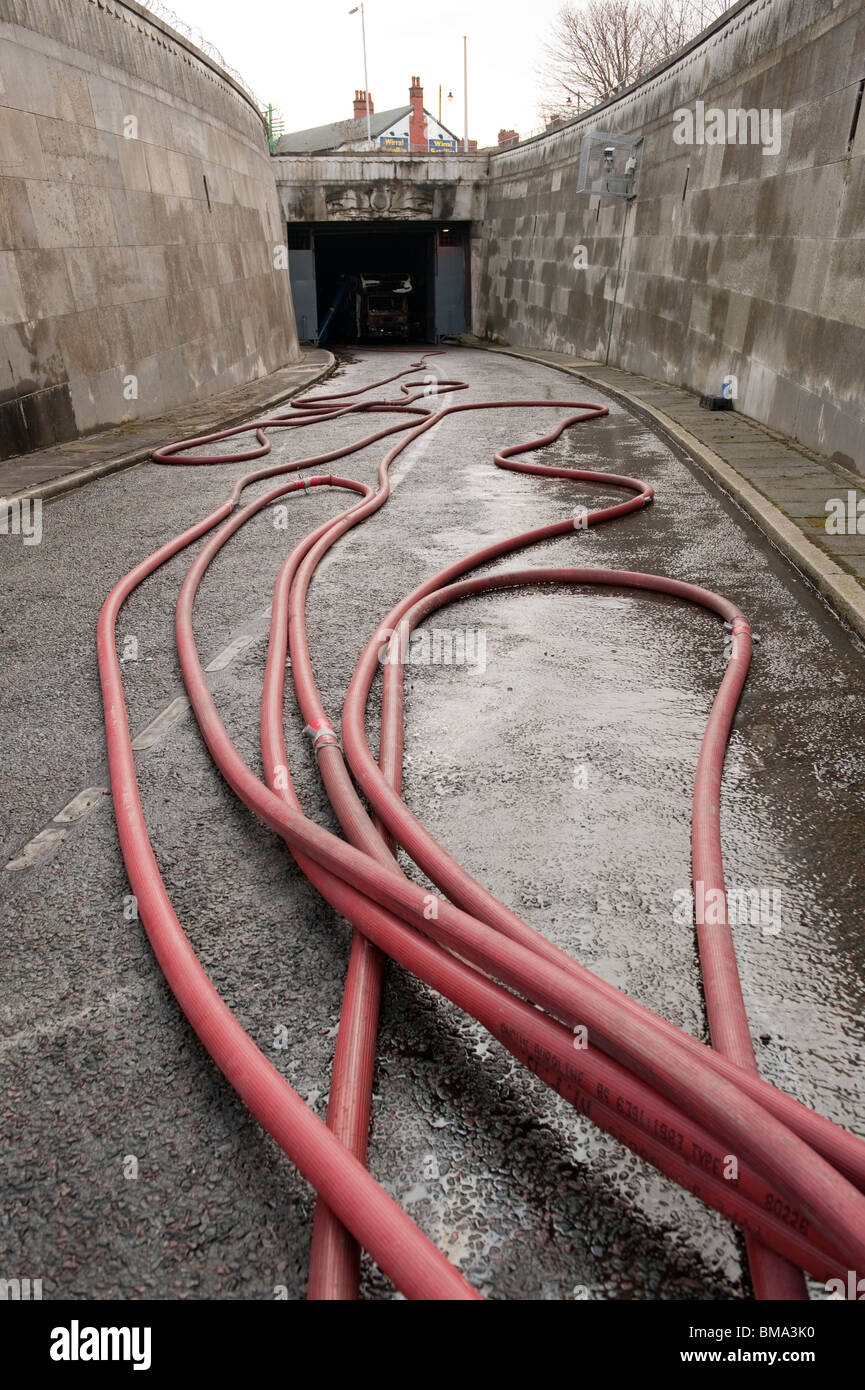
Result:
x=739 y=627
x=322 y=734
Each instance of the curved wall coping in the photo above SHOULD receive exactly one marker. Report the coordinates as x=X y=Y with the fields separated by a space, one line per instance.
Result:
x=641 y=85
x=141 y=12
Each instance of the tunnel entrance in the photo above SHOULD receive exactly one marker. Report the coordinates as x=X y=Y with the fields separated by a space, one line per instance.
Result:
x=385 y=282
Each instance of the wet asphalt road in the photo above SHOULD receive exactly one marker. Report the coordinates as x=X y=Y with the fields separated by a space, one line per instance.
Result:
x=558 y=771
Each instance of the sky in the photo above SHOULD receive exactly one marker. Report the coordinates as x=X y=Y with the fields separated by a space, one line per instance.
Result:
x=307 y=59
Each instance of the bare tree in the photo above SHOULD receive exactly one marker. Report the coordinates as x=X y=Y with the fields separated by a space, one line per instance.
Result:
x=597 y=46
x=678 y=21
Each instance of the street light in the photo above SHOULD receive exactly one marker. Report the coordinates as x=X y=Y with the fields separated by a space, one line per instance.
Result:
x=465 y=94
x=450 y=98
x=365 y=78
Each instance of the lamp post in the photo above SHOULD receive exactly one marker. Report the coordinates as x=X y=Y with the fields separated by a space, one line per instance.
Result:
x=365 y=78
x=465 y=94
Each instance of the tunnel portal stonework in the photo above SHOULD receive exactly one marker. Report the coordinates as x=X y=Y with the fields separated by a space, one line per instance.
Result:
x=742 y=260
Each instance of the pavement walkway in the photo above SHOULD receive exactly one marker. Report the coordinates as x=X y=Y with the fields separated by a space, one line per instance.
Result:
x=47 y=473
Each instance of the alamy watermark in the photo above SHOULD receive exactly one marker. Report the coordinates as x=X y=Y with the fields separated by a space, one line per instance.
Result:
x=845 y=516
x=77 y=1343
x=437 y=646
x=20 y=1290
x=851 y=1290
x=713 y=907
x=736 y=126
x=21 y=516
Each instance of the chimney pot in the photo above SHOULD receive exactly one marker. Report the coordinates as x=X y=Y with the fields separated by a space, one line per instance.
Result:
x=360 y=101
x=417 y=123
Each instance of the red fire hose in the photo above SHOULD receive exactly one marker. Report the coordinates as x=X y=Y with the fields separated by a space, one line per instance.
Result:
x=790 y=1179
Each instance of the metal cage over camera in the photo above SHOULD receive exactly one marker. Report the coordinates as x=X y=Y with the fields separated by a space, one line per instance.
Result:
x=609 y=164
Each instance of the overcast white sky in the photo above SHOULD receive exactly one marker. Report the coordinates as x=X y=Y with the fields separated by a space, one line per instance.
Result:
x=307 y=57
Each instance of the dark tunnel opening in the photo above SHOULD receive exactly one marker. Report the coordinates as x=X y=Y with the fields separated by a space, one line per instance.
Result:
x=388 y=283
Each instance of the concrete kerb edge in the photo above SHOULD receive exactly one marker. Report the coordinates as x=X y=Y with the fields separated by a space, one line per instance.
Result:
x=71 y=482
x=841 y=589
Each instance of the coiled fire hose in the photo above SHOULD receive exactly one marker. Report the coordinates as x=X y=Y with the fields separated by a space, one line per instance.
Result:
x=790 y=1179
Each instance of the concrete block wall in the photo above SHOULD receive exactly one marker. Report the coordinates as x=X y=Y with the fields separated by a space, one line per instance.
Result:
x=140 y=228
x=735 y=261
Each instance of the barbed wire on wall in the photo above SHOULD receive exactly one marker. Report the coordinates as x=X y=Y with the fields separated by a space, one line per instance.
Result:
x=196 y=37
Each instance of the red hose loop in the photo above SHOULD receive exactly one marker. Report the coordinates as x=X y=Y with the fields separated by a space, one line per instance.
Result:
x=638 y=1077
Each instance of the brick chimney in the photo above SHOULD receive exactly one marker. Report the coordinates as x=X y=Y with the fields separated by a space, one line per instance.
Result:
x=417 y=127
x=360 y=100
x=508 y=137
